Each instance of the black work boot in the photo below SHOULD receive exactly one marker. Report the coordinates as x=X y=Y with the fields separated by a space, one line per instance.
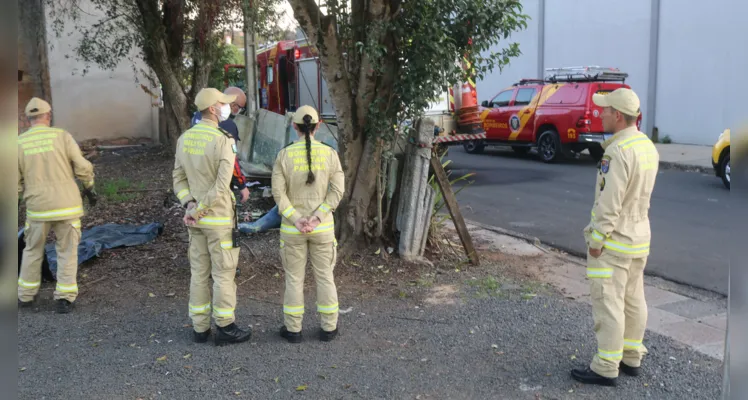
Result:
x=326 y=336
x=591 y=377
x=292 y=337
x=628 y=370
x=232 y=334
x=26 y=304
x=200 y=337
x=64 y=306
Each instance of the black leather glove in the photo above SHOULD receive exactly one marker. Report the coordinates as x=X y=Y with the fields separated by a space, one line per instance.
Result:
x=90 y=193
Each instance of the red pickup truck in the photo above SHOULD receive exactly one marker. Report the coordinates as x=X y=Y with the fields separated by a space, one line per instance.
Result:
x=555 y=114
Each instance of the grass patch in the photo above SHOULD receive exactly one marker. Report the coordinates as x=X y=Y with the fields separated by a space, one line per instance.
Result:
x=111 y=189
x=487 y=287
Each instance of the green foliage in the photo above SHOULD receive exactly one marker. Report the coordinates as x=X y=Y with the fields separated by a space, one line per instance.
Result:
x=111 y=189
x=416 y=48
x=227 y=54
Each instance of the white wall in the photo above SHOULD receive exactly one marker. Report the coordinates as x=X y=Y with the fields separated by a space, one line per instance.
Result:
x=702 y=57
x=524 y=66
x=703 y=62
x=102 y=104
x=604 y=33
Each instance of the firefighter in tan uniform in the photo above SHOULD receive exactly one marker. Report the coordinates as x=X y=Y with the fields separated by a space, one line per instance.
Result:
x=618 y=238
x=49 y=160
x=203 y=168
x=308 y=184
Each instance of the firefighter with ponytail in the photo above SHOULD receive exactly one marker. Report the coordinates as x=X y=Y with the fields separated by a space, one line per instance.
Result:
x=308 y=184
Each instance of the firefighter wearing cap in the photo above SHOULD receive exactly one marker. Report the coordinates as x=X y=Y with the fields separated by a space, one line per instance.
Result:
x=49 y=160
x=618 y=237
x=203 y=168
x=308 y=184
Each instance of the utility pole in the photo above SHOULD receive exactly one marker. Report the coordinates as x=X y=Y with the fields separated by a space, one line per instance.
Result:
x=250 y=58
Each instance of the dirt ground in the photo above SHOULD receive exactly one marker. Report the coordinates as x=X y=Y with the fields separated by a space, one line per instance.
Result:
x=444 y=331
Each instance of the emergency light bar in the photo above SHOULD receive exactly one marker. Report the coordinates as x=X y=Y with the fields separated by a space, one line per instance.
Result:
x=585 y=74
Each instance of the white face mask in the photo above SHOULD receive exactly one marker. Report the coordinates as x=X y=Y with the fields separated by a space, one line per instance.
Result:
x=225 y=113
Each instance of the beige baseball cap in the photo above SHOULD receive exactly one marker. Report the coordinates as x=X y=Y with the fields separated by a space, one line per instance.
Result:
x=298 y=116
x=37 y=106
x=621 y=99
x=210 y=96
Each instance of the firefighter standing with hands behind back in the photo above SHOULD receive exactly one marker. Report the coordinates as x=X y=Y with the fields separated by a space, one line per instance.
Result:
x=618 y=238
x=308 y=183
x=49 y=160
x=202 y=173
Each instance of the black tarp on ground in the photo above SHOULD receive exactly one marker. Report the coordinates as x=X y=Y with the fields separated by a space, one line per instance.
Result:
x=93 y=241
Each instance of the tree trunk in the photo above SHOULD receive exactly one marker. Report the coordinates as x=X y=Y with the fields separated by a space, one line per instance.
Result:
x=353 y=86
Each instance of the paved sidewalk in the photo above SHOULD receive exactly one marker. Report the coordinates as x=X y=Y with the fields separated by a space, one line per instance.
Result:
x=686 y=156
x=691 y=317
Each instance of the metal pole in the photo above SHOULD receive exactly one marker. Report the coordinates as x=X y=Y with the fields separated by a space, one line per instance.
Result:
x=726 y=356
x=654 y=41
x=541 y=39
x=250 y=58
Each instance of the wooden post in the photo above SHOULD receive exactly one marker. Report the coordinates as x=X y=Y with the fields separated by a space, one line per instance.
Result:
x=454 y=210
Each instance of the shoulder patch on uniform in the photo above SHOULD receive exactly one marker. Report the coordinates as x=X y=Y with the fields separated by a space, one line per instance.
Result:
x=605 y=164
x=233 y=147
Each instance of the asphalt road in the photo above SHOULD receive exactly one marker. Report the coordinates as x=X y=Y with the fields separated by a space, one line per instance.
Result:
x=689 y=213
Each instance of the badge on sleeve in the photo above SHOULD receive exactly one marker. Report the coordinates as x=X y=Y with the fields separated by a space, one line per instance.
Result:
x=605 y=164
x=233 y=147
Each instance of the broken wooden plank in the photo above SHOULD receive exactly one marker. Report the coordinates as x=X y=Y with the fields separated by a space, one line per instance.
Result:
x=454 y=210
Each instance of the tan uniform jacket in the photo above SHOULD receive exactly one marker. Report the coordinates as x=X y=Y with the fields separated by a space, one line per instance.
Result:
x=49 y=160
x=203 y=166
x=295 y=198
x=625 y=180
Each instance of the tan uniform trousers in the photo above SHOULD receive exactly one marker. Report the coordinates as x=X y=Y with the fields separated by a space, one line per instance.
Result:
x=619 y=311
x=322 y=249
x=212 y=254
x=68 y=235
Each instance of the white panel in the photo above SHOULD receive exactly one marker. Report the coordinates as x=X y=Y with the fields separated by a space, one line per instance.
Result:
x=308 y=83
x=328 y=109
x=604 y=33
x=703 y=61
x=524 y=66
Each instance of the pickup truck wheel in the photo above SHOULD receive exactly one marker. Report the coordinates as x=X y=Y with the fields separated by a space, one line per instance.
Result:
x=596 y=152
x=549 y=147
x=725 y=167
x=474 y=146
x=520 y=149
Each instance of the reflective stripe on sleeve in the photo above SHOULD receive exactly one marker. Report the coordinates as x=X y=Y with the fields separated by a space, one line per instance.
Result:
x=76 y=224
x=618 y=246
x=183 y=193
x=324 y=207
x=227 y=245
x=288 y=212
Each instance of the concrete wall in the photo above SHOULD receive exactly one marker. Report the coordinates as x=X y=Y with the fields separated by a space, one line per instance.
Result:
x=694 y=79
x=102 y=104
x=701 y=71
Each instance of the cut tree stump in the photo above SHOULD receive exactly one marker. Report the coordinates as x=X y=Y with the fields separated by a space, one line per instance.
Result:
x=454 y=209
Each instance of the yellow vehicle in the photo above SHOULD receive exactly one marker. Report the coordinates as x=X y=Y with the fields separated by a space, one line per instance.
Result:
x=721 y=157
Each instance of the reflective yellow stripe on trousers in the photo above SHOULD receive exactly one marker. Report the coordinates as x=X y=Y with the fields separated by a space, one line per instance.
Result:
x=215 y=221
x=326 y=227
x=62 y=212
x=293 y=310
x=28 y=285
x=331 y=309
x=67 y=288
x=610 y=355
x=201 y=309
